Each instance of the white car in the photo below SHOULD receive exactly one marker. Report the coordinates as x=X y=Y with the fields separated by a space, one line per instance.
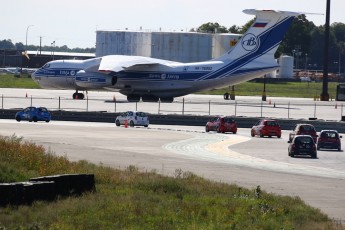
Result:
x=132 y=118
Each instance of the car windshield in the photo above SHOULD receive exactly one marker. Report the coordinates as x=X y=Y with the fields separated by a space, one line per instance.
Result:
x=141 y=114
x=228 y=120
x=272 y=123
x=307 y=128
x=329 y=135
x=303 y=140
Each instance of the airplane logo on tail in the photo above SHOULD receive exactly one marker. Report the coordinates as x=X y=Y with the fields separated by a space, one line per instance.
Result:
x=250 y=42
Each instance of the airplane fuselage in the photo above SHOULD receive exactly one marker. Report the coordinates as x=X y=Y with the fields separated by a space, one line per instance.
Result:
x=177 y=80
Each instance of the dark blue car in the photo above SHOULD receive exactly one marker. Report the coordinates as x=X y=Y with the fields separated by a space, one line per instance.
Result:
x=34 y=114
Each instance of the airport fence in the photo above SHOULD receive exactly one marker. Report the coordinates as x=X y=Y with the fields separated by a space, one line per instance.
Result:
x=274 y=108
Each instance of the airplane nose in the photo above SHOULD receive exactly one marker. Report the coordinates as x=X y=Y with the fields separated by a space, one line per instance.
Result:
x=34 y=74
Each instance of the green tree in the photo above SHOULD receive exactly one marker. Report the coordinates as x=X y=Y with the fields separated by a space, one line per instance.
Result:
x=6 y=44
x=235 y=29
x=211 y=27
x=297 y=39
x=19 y=46
x=246 y=26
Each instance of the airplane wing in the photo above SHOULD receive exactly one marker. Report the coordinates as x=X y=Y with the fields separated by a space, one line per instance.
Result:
x=116 y=63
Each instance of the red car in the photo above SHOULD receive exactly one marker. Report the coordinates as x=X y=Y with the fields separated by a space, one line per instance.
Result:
x=329 y=139
x=221 y=125
x=266 y=127
x=303 y=129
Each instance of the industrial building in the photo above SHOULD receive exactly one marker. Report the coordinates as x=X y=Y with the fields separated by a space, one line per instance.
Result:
x=36 y=59
x=174 y=46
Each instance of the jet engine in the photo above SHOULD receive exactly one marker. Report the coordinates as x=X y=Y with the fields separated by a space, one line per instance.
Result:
x=94 y=80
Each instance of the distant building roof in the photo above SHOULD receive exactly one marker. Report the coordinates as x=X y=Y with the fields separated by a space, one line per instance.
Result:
x=61 y=53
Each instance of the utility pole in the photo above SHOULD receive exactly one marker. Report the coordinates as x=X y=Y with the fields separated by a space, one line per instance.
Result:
x=324 y=95
x=40 y=45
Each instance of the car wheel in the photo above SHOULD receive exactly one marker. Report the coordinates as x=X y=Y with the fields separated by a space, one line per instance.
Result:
x=218 y=130
x=279 y=136
x=131 y=123
x=290 y=139
x=117 y=123
x=261 y=135
x=252 y=133
x=18 y=118
x=35 y=119
x=146 y=126
x=207 y=129
x=314 y=155
x=234 y=132
x=318 y=147
x=47 y=121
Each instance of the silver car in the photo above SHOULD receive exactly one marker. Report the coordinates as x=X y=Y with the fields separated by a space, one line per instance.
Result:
x=132 y=118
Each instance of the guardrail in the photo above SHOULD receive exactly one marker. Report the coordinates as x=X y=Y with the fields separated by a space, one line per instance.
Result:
x=184 y=120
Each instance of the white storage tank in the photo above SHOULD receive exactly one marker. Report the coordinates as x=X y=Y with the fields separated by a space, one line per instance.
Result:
x=286 y=66
x=123 y=43
x=181 y=46
x=174 y=46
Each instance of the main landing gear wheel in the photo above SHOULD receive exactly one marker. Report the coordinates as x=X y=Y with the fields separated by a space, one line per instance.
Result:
x=77 y=95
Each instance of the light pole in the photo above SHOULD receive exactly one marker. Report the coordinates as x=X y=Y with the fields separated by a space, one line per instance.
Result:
x=26 y=38
x=53 y=48
x=324 y=96
x=306 y=63
x=339 y=63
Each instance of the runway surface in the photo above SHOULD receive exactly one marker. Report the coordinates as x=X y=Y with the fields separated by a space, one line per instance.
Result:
x=229 y=158
x=193 y=104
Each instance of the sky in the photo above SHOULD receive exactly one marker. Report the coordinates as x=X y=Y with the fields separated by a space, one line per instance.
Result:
x=74 y=22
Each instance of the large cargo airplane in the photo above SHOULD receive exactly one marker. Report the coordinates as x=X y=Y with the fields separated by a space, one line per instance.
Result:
x=151 y=79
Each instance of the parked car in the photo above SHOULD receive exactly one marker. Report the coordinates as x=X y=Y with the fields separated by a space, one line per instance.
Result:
x=132 y=118
x=329 y=139
x=221 y=124
x=303 y=129
x=266 y=127
x=302 y=145
x=33 y=114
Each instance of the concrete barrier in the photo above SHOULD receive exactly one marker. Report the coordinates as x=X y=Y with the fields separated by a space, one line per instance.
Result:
x=184 y=120
x=46 y=188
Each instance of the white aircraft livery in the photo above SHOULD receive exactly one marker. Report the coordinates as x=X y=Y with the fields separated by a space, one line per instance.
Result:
x=151 y=79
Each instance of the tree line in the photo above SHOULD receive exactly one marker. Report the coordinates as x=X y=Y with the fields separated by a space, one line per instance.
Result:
x=8 y=45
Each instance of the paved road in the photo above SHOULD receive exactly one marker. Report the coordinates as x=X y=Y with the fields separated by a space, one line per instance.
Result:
x=229 y=158
x=293 y=108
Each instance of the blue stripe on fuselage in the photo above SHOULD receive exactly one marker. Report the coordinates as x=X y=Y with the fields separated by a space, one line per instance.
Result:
x=174 y=76
x=56 y=72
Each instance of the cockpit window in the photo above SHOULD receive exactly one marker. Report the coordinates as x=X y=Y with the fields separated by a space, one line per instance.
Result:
x=46 y=66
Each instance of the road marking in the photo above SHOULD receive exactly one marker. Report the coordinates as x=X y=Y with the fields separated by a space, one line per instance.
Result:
x=217 y=148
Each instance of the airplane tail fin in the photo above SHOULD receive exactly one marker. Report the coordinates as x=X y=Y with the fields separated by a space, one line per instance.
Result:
x=261 y=40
